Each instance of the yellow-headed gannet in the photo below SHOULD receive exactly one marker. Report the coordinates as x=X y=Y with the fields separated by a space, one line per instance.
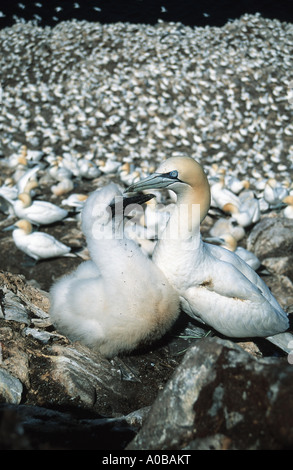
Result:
x=37 y=245
x=247 y=212
x=215 y=285
x=274 y=192
x=288 y=211
x=226 y=240
x=35 y=211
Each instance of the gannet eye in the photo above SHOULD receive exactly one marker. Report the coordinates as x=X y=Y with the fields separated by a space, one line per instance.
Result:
x=173 y=174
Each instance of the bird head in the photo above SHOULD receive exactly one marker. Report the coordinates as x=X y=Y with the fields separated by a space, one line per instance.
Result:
x=184 y=176
x=174 y=173
x=21 y=224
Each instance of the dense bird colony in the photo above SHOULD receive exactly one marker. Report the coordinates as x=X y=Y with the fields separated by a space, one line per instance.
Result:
x=88 y=102
x=139 y=93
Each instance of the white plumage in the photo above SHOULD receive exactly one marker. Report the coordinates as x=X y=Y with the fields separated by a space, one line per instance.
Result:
x=37 y=245
x=215 y=285
x=119 y=299
x=226 y=240
x=38 y=212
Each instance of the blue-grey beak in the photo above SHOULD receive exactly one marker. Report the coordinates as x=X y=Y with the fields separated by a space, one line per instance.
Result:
x=214 y=240
x=156 y=180
x=10 y=227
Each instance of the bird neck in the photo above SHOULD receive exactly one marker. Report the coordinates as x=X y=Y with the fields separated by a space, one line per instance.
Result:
x=192 y=207
x=108 y=247
x=180 y=246
x=25 y=199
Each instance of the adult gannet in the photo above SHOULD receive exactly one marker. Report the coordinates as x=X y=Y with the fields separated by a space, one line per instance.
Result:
x=247 y=212
x=215 y=285
x=274 y=192
x=226 y=240
x=28 y=178
x=288 y=211
x=62 y=187
x=108 y=166
x=8 y=189
x=87 y=169
x=235 y=184
x=229 y=225
x=37 y=245
x=75 y=200
x=37 y=212
x=119 y=299
x=220 y=195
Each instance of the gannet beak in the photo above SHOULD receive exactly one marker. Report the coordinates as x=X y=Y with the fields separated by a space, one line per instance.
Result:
x=214 y=240
x=156 y=180
x=10 y=227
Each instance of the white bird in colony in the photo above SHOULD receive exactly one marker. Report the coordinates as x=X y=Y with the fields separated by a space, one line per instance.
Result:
x=226 y=240
x=37 y=245
x=37 y=212
x=87 y=169
x=58 y=171
x=229 y=225
x=8 y=189
x=31 y=155
x=119 y=299
x=247 y=212
x=34 y=155
x=75 y=200
x=62 y=187
x=235 y=184
x=26 y=179
x=288 y=211
x=108 y=166
x=220 y=195
x=128 y=173
x=215 y=285
x=274 y=193
x=17 y=160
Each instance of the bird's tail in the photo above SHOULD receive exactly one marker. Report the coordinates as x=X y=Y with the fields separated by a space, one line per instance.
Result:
x=283 y=341
x=75 y=251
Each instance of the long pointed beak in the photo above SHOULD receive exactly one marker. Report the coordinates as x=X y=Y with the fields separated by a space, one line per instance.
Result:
x=156 y=180
x=10 y=227
x=214 y=240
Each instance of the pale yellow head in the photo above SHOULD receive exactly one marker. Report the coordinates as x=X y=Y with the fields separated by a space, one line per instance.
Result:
x=185 y=177
x=26 y=199
x=31 y=184
x=24 y=225
x=230 y=242
x=288 y=200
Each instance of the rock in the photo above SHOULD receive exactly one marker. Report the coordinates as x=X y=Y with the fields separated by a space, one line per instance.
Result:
x=69 y=374
x=10 y=388
x=271 y=240
x=282 y=288
x=34 y=428
x=14 y=354
x=20 y=301
x=55 y=372
x=42 y=336
x=12 y=308
x=46 y=376
x=221 y=397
